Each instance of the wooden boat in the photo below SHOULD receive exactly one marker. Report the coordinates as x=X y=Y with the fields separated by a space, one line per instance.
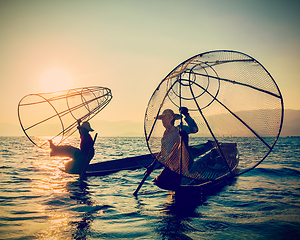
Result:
x=136 y=162
x=212 y=170
x=108 y=167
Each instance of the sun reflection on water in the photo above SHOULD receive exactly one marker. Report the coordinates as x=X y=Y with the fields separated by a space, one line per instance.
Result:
x=53 y=185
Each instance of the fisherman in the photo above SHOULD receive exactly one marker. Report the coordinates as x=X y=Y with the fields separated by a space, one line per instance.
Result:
x=80 y=157
x=172 y=148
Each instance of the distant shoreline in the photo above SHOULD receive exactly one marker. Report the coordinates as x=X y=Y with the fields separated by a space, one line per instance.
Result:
x=290 y=128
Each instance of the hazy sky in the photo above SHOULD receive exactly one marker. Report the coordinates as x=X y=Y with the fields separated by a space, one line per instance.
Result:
x=130 y=46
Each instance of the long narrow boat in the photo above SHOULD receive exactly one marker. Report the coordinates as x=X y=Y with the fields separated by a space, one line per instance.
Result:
x=108 y=167
x=132 y=163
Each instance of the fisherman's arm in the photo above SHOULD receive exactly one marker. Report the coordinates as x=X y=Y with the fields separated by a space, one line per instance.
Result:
x=79 y=127
x=192 y=126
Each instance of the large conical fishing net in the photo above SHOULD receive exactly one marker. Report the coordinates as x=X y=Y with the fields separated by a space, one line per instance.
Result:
x=236 y=104
x=55 y=114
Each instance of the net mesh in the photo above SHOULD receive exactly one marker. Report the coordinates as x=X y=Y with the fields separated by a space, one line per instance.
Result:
x=55 y=114
x=236 y=105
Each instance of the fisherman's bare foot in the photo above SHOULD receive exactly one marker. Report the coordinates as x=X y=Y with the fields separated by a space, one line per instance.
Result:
x=51 y=144
x=51 y=147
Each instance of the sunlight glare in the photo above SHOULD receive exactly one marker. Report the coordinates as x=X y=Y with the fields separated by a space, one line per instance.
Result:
x=55 y=79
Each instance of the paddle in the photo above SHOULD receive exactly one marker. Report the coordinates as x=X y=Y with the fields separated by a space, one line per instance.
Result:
x=147 y=173
x=88 y=161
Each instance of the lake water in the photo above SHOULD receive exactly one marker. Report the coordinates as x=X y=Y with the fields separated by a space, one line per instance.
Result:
x=39 y=201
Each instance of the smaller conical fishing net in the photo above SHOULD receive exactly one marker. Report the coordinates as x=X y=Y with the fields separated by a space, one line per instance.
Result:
x=236 y=105
x=55 y=114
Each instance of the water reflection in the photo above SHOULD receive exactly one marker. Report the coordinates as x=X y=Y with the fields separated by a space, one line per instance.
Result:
x=177 y=213
x=70 y=210
x=181 y=209
x=79 y=191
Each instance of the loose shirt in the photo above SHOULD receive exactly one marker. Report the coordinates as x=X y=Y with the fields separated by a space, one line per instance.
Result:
x=171 y=137
x=86 y=144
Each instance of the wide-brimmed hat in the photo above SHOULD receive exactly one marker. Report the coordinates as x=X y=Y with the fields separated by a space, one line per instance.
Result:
x=87 y=126
x=169 y=112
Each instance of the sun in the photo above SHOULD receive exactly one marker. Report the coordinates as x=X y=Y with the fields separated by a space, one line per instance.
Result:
x=55 y=79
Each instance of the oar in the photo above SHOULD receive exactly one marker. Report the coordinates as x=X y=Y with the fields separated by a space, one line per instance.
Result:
x=88 y=161
x=147 y=173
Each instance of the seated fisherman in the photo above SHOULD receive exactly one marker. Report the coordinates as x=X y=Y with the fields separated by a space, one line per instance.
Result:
x=79 y=156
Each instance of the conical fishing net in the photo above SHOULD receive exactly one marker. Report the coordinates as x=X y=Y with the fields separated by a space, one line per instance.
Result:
x=55 y=114
x=236 y=105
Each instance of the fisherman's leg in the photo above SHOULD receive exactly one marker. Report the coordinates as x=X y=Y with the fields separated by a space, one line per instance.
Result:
x=168 y=179
x=77 y=163
x=63 y=151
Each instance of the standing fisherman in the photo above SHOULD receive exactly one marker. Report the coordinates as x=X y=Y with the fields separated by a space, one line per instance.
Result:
x=174 y=154
x=80 y=157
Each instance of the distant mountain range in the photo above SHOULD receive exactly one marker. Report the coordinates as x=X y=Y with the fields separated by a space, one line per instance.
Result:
x=291 y=127
x=291 y=123
x=119 y=129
